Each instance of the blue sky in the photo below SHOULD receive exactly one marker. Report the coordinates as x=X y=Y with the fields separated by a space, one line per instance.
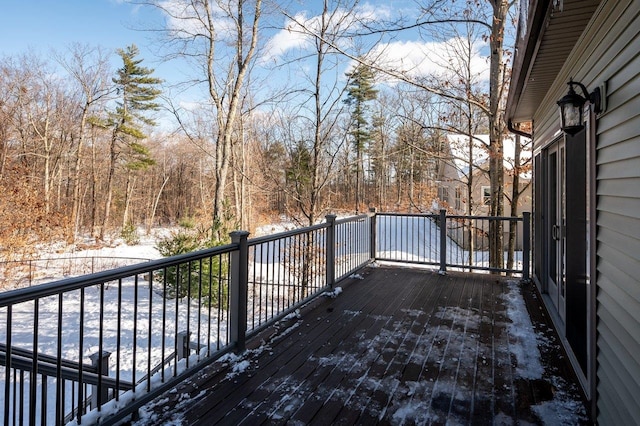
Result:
x=45 y=25
x=41 y=24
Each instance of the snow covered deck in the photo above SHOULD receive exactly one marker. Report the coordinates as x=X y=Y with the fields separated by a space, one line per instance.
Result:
x=398 y=345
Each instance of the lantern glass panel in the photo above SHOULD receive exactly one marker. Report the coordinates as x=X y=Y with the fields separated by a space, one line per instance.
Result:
x=571 y=115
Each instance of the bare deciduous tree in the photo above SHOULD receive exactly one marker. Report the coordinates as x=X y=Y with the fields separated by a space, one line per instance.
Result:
x=495 y=21
x=89 y=68
x=201 y=31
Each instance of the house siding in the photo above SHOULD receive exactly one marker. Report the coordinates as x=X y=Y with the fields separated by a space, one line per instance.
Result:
x=608 y=50
x=618 y=224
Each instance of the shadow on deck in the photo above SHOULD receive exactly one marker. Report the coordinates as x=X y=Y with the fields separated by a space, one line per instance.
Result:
x=400 y=346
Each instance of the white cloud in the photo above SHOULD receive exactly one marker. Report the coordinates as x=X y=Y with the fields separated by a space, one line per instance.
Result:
x=419 y=58
x=186 y=19
x=299 y=31
x=192 y=106
x=292 y=37
x=414 y=58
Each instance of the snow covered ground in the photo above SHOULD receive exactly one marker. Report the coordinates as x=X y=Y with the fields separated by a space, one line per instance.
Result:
x=57 y=262
x=133 y=332
x=83 y=307
x=417 y=239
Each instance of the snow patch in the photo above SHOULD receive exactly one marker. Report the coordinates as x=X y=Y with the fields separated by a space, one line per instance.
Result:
x=293 y=315
x=241 y=367
x=524 y=340
x=562 y=409
x=284 y=225
x=334 y=293
x=412 y=412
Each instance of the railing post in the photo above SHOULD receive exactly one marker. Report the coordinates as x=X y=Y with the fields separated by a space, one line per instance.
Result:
x=239 y=270
x=372 y=234
x=443 y=242
x=330 y=250
x=526 y=244
x=100 y=363
x=182 y=345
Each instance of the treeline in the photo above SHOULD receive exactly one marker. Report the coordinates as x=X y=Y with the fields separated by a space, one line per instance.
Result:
x=92 y=149
x=69 y=169
x=78 y=154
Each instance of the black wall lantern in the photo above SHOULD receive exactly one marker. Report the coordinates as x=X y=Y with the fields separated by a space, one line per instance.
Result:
x=571 y=107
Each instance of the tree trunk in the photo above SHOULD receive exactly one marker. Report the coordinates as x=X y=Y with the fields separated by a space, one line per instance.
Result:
x=74 y=222
x=358 y=176
x=109 y=190
x=128 y=194
x=94 y=195
x=515 y=198
x=154 y=208
x=222 y=167
x=496 y=166
x=228 y=113
x=470 y=229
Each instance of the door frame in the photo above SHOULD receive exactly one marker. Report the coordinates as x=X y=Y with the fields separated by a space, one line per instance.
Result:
x=574 y=311
x=554 y=233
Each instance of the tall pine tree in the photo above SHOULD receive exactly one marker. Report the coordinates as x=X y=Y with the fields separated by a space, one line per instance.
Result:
x=137 y=91
x=360 y=90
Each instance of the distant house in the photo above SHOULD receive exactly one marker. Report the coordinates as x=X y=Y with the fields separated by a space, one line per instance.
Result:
x=453 y=178
x=452 y=186
x=586 y=238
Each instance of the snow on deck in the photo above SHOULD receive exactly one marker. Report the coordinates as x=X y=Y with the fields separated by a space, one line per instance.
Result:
x=401 y=346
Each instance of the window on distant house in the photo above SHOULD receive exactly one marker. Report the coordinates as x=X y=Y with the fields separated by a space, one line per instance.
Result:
x=443 y=194
x=486 y=195
x=458 y=204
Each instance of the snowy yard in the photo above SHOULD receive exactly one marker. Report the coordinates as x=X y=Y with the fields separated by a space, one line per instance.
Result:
x=131 y=319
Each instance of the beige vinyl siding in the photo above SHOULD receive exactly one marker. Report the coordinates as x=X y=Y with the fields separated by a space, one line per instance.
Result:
x=617 y=60
x=627 y=338
x=609 y=395
x=626 y=246
x=609 y=51
x=623 y=187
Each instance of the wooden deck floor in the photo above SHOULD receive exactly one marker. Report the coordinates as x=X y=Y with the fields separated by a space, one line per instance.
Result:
x=401 y=346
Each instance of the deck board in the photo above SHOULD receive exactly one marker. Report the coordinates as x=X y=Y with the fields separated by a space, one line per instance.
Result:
x=400 y=346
